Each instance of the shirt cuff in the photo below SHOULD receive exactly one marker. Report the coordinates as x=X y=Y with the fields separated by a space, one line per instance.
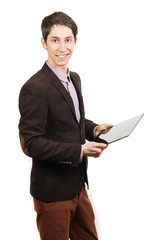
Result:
x=81 y=155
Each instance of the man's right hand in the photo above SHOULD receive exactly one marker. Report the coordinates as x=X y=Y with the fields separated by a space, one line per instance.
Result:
x=93 y=149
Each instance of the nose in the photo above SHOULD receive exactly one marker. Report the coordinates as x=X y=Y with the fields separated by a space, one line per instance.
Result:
x=62 y=46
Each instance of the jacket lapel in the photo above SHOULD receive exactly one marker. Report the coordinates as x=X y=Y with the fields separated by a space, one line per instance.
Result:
x=78 y=90
x=57 y=83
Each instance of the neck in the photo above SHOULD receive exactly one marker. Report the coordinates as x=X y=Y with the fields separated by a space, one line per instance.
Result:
x=60 y=68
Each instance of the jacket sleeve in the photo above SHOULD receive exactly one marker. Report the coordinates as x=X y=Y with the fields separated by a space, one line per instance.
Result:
x=89 y=129
x=33 y=107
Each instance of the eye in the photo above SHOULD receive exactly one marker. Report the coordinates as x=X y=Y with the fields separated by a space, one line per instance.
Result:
x=68 y=40
x=55 y=40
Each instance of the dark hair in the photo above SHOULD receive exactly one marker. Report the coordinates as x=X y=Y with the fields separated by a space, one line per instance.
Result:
x=55 y=19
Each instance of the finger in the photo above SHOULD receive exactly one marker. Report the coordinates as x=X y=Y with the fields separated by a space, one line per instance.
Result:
x=99 y=145
x=106 y=130
x=97 y=154
x=102 y=145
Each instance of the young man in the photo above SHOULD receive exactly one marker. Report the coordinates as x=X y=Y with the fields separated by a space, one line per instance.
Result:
x=53 y=130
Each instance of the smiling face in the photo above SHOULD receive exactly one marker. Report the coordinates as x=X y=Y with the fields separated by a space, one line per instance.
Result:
x=60 y=45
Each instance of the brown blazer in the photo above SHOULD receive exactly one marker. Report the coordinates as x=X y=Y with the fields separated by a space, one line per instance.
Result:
x=51 y=135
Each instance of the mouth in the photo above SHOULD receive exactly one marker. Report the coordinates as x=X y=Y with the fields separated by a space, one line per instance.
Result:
x=62 y=56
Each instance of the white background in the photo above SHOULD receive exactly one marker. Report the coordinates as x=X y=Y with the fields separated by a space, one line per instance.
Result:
x=118 y=59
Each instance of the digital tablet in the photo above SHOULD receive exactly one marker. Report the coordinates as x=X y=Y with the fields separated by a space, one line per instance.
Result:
x=119 y=131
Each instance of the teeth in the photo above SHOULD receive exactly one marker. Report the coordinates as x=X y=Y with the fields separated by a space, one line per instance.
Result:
x=62 y=56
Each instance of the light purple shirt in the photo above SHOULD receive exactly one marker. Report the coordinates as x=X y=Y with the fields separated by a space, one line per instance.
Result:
x=67 y=83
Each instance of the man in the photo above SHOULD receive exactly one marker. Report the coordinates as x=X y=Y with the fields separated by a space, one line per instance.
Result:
x=53 y=130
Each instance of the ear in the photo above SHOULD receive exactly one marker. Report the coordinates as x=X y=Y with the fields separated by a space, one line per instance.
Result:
x=43 y=43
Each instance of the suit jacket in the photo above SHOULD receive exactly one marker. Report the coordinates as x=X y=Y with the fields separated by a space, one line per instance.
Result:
x=51 y=135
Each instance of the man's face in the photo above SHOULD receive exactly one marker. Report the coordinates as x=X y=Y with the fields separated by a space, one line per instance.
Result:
x=60 y=45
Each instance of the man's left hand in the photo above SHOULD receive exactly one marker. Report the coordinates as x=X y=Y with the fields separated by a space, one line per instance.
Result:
x=102 y=128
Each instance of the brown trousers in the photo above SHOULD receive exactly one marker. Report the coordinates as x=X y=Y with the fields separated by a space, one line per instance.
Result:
x=72 y=219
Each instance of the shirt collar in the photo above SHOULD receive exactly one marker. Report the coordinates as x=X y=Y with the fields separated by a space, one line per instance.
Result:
x=61 y=75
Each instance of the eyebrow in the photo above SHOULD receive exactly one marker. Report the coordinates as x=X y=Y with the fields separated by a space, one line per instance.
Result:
x=55 y=37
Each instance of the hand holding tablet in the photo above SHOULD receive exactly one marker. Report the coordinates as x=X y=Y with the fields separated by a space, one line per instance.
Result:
x=119 y=131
